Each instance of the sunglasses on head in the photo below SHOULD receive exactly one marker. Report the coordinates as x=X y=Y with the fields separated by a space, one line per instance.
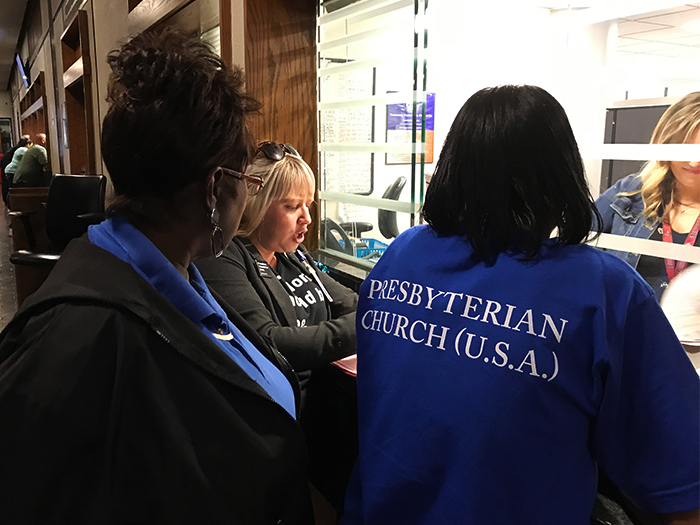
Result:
x=275 y=150
x=253 y=184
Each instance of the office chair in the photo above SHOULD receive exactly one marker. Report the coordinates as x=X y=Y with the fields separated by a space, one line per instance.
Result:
x=386 y=219
x=74 y=202
x=328 y=226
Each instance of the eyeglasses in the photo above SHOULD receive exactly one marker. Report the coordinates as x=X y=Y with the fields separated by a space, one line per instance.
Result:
x=253 y=184
x=275 y=150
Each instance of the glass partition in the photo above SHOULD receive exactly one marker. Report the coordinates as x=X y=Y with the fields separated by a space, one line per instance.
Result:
x=626 y=64
x=615 y=66
x=375 y=123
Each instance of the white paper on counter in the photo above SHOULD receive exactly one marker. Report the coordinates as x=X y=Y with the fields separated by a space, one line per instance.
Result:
x=681 y=304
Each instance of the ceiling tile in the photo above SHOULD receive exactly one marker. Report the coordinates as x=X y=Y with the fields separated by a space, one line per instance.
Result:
x=671 y=33
x=662 y=50
x=675 y=51
x=690 y=40
x=632 y=27
x=672 y=17
x=641 y=46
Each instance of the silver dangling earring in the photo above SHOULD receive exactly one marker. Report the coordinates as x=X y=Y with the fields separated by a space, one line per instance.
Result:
x=217 y=236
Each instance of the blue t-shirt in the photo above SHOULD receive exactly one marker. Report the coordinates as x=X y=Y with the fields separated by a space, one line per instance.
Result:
x=194 y=300
x=489 y=394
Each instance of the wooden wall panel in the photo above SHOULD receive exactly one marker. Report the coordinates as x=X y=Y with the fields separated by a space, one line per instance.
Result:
x=280 y=66
x=77 y=131
x=225 y=31
x=77 y=81
x=35 y=29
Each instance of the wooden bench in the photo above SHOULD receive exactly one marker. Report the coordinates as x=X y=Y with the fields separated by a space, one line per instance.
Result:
x=33 y=200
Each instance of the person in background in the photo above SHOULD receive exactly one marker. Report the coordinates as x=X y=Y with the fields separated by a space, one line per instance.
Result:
x=5 y=161
x=662 y=202
x=31 y=171
x=16 y=159
x=5 y=139
x=499 y=367
x=269 y=277
x=130 y=393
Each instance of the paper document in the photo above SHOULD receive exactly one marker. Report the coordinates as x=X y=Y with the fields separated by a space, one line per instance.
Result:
x=681 y=304
x=347 y=365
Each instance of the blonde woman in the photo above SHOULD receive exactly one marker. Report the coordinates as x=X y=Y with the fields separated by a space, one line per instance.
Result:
x=259 y=271
x=268 y=277
x=662 y=202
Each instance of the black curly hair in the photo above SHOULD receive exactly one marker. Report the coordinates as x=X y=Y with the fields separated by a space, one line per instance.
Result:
x=176 y=113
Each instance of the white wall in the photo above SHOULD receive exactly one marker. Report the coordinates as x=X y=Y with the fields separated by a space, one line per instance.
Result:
x=482 y=44
x=581 y=76
x=476 y=46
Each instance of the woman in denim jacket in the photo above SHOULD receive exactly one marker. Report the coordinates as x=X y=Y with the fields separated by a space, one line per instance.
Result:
x=663 y=191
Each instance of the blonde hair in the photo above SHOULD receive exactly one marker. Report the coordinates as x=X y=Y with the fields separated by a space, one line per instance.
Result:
x=677 y=125
x=290 y=176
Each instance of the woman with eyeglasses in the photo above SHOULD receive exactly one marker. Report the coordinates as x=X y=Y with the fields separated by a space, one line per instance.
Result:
x=268 y=276
x=129 y=392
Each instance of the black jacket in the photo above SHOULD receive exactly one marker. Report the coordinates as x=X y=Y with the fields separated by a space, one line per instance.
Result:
x=330 y=396
x=264 y=303
x=115 y=408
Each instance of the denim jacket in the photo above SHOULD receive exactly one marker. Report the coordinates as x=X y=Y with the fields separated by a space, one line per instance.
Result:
x=623 y=215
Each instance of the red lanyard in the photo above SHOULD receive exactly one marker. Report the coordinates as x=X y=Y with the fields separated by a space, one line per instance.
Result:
x=673 y=268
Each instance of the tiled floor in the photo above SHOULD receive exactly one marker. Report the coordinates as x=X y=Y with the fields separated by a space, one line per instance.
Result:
x=8 y=294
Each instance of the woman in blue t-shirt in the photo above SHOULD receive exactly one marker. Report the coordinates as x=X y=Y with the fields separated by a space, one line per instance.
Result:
x=502 y=361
